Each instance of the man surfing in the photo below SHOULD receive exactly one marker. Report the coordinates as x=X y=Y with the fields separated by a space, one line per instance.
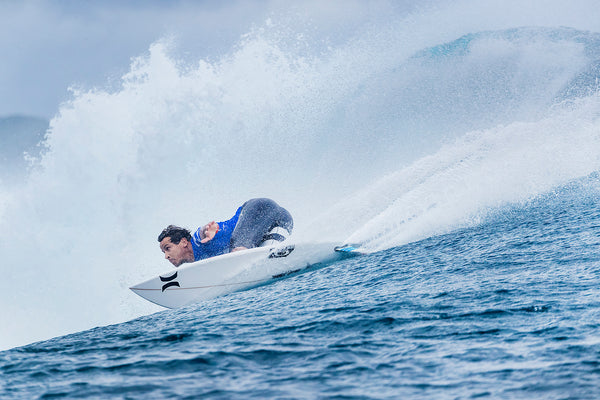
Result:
x=257 y=222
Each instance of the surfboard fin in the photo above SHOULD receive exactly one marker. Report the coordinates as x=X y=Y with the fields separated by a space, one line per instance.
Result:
x=349 y=249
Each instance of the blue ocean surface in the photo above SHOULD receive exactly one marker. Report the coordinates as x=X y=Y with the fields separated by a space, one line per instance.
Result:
x=507 y=309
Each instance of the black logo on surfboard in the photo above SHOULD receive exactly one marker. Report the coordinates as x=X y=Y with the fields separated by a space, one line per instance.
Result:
x=170 y=281
x=283 y=252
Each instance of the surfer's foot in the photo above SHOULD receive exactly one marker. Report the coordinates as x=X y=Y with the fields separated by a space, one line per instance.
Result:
x=239 y=248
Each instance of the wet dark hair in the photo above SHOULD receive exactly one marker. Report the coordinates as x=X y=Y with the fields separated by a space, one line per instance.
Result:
x=176 y=233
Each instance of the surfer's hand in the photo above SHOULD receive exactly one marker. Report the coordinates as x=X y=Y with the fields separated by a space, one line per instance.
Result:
x=209 y=231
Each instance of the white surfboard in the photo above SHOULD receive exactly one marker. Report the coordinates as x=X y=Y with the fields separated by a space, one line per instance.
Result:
x=227 y=273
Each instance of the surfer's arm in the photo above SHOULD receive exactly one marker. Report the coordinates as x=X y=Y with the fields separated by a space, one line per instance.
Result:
x=208 y=232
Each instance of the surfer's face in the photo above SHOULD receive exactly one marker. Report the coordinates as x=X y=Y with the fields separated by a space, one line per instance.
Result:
x=179 y=253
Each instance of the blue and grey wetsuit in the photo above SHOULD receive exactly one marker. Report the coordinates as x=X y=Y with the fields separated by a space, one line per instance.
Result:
x=251 y=225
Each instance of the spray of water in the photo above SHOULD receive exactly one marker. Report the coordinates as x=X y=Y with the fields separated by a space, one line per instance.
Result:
x=480 y=172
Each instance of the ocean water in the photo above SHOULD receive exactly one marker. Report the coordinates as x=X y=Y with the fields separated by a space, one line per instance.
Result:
x=458 y=143
x=509 y=309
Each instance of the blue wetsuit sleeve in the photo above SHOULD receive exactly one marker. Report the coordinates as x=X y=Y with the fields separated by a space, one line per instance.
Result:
x=226 y=227
x=219 y=244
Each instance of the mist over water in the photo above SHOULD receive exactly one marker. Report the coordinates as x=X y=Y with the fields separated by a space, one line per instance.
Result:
x=415 y=124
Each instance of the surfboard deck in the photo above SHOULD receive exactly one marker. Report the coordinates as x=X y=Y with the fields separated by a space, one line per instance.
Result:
x=227 y=273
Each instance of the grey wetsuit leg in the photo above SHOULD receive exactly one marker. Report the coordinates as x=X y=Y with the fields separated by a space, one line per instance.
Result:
x=257 y=218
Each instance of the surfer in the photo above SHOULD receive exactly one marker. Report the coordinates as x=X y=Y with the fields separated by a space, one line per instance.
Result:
x=255 y=223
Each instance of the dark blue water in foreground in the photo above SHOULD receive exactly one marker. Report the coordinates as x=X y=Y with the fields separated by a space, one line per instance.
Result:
x=508 y=309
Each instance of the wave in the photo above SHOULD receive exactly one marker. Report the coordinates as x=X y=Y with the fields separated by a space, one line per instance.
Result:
x=446 y=128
